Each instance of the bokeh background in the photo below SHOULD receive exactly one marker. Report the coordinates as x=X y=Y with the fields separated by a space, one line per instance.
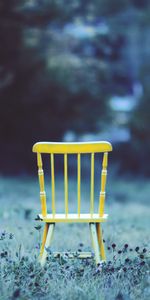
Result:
x=71 y=71
x=75 y=71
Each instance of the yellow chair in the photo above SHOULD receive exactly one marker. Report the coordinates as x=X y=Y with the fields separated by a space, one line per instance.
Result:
x=94 y=219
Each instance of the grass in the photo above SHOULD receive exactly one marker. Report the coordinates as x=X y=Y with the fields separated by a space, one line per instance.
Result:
x=126 y=274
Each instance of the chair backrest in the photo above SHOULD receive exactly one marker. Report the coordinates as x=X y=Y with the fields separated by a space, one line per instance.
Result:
x=52 y=148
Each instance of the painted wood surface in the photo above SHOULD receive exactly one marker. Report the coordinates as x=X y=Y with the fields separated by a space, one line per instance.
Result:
x=93 y=218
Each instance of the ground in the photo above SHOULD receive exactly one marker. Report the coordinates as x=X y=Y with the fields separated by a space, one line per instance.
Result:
x=125 y=275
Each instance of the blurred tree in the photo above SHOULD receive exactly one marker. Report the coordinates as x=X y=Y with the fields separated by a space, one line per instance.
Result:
x=110 y=7
x=140 y=128
x=45 y=88
x=141 y=3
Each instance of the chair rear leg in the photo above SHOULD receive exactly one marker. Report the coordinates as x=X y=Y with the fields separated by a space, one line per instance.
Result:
x=46 y=226
x=47 y=242
x=100 y=241
x=95 y=242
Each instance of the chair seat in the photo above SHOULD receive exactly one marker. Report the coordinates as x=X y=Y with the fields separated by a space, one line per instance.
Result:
x=70 y=218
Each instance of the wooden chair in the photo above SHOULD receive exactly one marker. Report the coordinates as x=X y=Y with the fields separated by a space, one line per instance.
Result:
x=94 y=219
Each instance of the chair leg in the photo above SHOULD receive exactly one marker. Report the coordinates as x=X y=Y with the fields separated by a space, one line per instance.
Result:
x=49 y=236
x=95 y=242
x=46 y=226
x=100 y=241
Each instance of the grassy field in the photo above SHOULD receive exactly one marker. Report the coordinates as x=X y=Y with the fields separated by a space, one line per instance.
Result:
x=126 y=274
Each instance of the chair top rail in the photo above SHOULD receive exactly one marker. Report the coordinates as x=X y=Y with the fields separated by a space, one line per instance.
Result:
x=72 y=148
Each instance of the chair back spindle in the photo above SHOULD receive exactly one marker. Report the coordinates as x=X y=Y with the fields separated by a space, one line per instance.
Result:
x=42 y=185
x=53 y=184
x=66 y=183
x=92 y=186
x=79 y=182
x=103 y=184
